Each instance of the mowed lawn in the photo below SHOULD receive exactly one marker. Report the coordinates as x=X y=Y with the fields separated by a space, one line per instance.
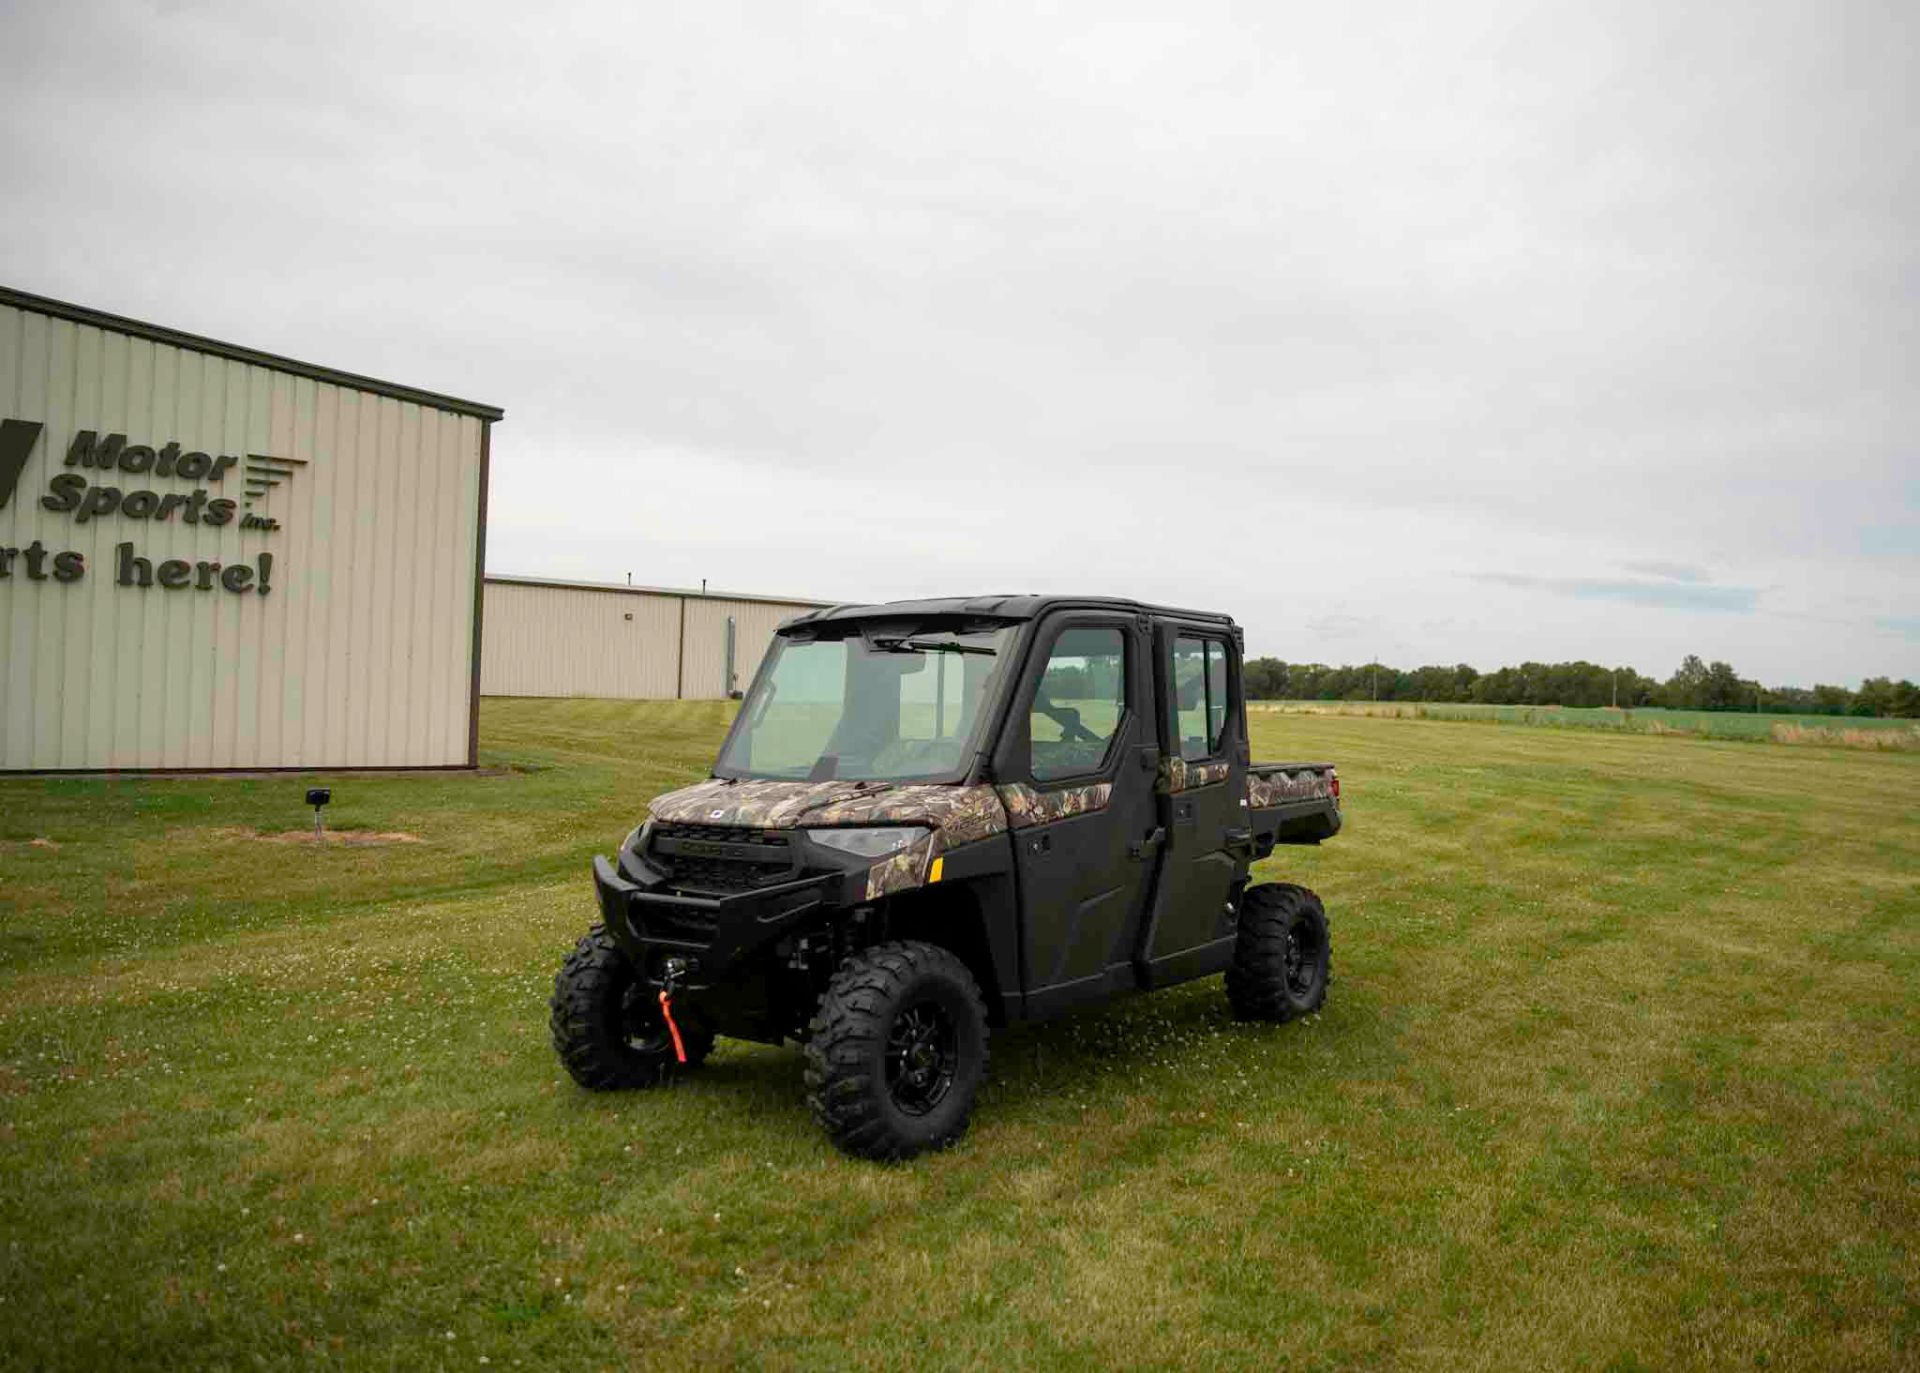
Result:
x=1620 y=1069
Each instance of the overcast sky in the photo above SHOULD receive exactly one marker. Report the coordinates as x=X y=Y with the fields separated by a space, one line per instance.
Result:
x=1429 y=332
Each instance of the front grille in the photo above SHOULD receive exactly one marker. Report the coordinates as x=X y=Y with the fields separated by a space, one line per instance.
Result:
x=665 y=922
x=721 y=859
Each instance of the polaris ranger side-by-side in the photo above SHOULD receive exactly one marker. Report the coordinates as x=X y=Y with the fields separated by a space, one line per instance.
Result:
x=933 y=817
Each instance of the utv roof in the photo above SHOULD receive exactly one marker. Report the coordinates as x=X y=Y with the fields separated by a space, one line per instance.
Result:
x=1000 y=607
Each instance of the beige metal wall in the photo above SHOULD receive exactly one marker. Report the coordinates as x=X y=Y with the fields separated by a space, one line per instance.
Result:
x=575 y=639
x=754 y=623
x=359 y=654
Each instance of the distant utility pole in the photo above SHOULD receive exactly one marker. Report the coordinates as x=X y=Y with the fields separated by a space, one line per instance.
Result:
x=1376 y=678
x=1616 y=688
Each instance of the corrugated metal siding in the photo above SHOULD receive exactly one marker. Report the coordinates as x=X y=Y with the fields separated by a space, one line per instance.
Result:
x=576 y=641
x=707 y=641
x=359 y=655
x=560 y=641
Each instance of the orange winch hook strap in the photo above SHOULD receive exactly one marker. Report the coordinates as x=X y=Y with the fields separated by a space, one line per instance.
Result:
x=666 y=1009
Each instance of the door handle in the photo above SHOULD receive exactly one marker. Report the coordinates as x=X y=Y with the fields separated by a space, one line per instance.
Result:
x=1040 y=843
x=1147 y=845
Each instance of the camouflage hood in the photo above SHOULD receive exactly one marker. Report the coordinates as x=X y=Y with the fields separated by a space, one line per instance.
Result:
x=968 y=813
x=955 y=814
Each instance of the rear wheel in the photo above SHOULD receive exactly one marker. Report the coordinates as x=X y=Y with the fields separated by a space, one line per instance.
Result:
x=607 y=1024
x=896 y=1051
x=1283 y=957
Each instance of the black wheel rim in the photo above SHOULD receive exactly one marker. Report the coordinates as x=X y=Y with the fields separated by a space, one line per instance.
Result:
x=1302 y=959
x=923 y=1051
x=638 y=1023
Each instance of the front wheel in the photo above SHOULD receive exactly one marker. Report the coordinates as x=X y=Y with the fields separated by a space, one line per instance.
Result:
x=896 y=1051
x=607 y=1025
x=1283 y=956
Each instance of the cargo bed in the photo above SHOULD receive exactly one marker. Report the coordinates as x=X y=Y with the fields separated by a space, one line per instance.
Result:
x=1292 y=803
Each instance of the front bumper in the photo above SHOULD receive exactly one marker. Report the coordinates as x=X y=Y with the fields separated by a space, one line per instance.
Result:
x=710 y=933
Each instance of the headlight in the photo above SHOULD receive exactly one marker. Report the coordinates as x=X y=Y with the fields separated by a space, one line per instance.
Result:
x=636 y=839
x=876 y=842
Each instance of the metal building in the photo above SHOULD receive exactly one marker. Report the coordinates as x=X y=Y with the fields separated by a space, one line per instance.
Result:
x=557 y=638
x=211 y=557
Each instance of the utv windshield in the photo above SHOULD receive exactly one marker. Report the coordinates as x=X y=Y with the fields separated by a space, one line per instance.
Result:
x=883 y=703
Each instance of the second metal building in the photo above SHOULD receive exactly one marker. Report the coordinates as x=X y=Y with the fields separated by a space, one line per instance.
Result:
x=560 y=638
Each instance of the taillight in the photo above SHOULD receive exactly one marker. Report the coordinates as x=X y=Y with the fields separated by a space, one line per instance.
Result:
x=1333 y=776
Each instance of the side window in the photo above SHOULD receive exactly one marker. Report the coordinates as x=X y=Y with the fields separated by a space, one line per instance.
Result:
x=1199 y=681
x=1078 y=704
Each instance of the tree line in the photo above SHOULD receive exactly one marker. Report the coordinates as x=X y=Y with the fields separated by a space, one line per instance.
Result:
x=1695 y=685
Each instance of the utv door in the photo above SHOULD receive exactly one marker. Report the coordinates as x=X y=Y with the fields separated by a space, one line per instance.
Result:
x=1075 y=769
x=1203 y=786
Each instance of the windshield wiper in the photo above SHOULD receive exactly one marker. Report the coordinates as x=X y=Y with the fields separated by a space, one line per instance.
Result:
x=906 y=645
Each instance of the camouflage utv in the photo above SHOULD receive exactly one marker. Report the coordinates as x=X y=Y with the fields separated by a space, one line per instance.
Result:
x=931 y=818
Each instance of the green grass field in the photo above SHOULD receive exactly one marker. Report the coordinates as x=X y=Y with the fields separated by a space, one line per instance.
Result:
x=1832 y=731
x=1620 y=1070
